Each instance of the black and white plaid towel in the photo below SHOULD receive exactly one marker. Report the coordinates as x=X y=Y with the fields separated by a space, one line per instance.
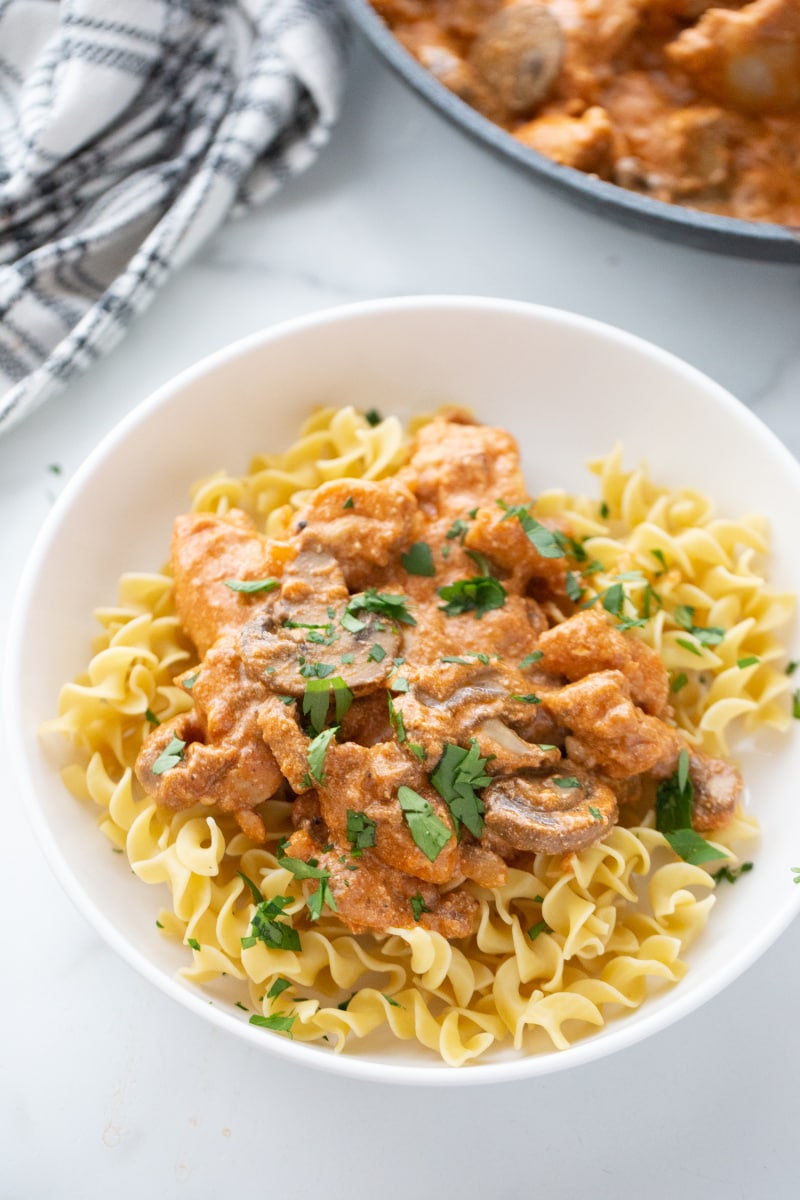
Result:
x=128 y=130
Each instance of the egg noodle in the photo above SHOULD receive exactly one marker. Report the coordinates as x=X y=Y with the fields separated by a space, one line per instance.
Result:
x=559 y=948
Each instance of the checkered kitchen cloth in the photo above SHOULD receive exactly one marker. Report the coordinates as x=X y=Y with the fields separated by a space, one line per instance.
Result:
x=128 y=130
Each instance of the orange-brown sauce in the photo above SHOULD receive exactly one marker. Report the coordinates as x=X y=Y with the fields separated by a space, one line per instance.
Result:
x=680 y=100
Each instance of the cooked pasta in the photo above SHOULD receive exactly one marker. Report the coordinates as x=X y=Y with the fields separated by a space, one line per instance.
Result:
x=561 y=947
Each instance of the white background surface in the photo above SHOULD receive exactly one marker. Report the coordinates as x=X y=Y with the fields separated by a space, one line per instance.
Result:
x=106 y=1086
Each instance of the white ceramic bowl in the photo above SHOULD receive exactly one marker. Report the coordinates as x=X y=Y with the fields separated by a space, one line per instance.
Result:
x=568 y=388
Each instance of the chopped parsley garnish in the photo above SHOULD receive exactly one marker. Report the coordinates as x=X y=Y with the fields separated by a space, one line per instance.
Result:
x=159 y=925
x=316 y=670
x=749 y=661
x=418 y=906
x=308 y=870
x=658 y=555
x=419 y=560
x=574 y=589
x=687 y=645
x=276 y=1021
x=267 y=927
x=531 y=658
x=193 y=942
x=680 y=681
x=796 y=704
x=250 y=586
x=55 y=468
x=539 y=927
x=169 y=757
x=792 y=666
x=596 y=814
x=190 y=681
x=399 y=684
x=529 y=698
x=613 y=599
x=454 y=658
x=566 y=781
x=376 y=654
x=347 y=659
x=428 y=831
x=479 y=594
x=796 y=873
x=543 y=539
x=458 y=529
x=457 y=776
x=605 y=511
x=706 y=635
x=316 y=699
x=385 y=604
x=243 y=1007
x=396 y=720
x=418 y=751
x=255 y=890
x=360 y=830
x=349 y=502
x=731 y=874
x=150 y=716
x=317 y=749
x=674 y=803
x=546 y=746
x=372 y=416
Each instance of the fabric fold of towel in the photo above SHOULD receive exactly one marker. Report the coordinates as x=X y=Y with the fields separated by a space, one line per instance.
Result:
x=129 y=129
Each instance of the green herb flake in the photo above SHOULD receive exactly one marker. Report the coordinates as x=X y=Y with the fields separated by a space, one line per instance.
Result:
x=539 y=927
x=706 y=635
x=419 y=752
x=280 y=985
x=429 y=833
x=566 y=781
x=596 y=814
x=796 y=704
x=242 y=1006
x=169 y=757
x=749 y=661
x=372 y=417
x=479 y=594
x=693 y=848
x=317 y=749
x=318 y=899
x=316 y=670
x=349 y=502
x=316 y=699
x=542 y=538
x=190 y=681
x=254 y=889
x=687 y=645
x=731 y=874
x=347 y=659
x=792 y=666
x=159 y=925
x=276 y=1021
x=361 y=830
x=193 y=942
x=458 y=529
x=419 y=560
x=418 y=906
x=674 y=803
x=267 y=927
x=385 y=604
x=150 y=716
x=680 y=681
x=574 y=590
x=376 y=654
x=458 y=776
x=396 y=720
x=614 y=599
x=530 y=698
x=250 y=586
x=454 y=658
x=531 y=658
x=390 y=1000
x=605 y=511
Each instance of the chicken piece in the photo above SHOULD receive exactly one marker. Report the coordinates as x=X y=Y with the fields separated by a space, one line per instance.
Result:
x=369 y=894
x=688 y=152
x=367 y=779
x=585 y=142
x=552 y=815
x=206 y=550
x=457 y=465
x=588 y=642
x=608 y=732
x=363 y=525
x=518 y=54
x=717 y=788
x=748 y=59
x=224 y=760
x=505 y=543
x=438 y=54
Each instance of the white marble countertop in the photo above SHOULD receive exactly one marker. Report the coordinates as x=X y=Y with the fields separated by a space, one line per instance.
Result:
x=108 y=1087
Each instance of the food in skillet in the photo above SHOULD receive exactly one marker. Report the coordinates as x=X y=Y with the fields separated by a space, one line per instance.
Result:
x=686 y=101
x=411 y=751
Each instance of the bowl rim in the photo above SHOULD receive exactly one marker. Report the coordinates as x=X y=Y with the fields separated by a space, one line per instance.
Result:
x=617 y=1037
x=762 y=240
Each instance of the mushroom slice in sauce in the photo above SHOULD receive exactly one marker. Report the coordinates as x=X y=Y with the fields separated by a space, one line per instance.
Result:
x=518 y=54
x=554 y=814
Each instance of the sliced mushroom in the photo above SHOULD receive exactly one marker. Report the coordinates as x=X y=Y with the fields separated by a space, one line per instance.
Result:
x=518 y=54
x=310 y=634
x=553 y=815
